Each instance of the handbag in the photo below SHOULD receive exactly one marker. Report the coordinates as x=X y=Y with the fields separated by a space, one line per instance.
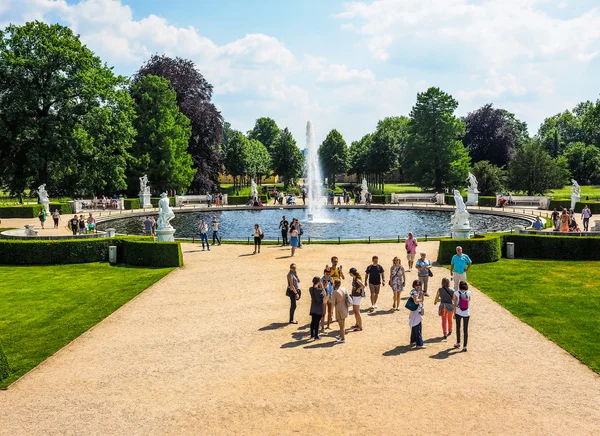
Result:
x=262 y=236
x=348 y=299
x=430 y=273
x=289 y=293
x=411 y=305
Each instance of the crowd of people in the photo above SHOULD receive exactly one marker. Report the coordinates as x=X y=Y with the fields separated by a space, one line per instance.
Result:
x=564 y=221
x=331 y=302
x=79 y=225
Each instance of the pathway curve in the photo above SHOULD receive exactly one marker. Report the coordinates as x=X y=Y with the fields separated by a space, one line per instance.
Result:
x=207 y=351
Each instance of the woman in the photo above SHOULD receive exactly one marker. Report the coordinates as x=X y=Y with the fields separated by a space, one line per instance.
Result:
x=258 y=235
x=293 y=239
x=293 y=291
x=327 y=284
x=317 y=295
x=564 y=221
x=358 y=292
x=462 y=305
x=341 y=310
x=424 y=267
x=416 y=316
x=42 y=217
x=397 y=280
x=445 y=294
x=56 y=218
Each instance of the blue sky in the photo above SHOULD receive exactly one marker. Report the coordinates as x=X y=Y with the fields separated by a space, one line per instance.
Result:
x=345 y=65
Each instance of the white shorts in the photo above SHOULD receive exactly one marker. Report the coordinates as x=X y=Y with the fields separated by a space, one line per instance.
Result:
x=410 y=256
x=356 y=301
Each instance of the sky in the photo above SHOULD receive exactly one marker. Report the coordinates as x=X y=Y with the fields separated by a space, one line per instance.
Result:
x=345 y=65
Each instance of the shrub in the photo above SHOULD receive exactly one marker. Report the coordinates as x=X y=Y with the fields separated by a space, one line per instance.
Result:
x=63 y=207
x=380 y=199
x=142 y=252
x=131 y=203
x=243 y=199
x=481 y=249
x=566 y=204
x=487 y=201
x=154 y=201
x=4 y=368
x=27 y=211
x=555 y=247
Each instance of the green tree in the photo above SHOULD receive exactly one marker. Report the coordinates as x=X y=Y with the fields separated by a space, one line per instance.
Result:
x=333 y=154
x=535 y=172
x=590 y=122
x=288 y=162
x=435 y=155
x=163 y=133
x=387 y=149
x=236 y=157
x=358 y=155
x=490 y=178
x=584 y=162
x=259 y=160
x=50 y=87
x=266 y=131
x=562 y=129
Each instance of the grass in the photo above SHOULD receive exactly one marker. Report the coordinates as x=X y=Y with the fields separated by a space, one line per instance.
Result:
x=43 y=308
x=586 y=191
x=559 y=299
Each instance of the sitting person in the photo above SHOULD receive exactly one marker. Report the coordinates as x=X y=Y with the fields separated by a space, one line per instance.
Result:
x=573 y=226
x=501 y=202
x=537 y=224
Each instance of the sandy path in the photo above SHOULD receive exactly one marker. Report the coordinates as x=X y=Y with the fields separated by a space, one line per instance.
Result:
x=198 y=353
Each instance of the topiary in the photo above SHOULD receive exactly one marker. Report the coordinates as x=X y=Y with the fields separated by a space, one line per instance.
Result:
x=481 y=249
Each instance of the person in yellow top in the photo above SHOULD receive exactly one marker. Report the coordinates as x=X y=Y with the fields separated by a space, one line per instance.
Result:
x=336 y=270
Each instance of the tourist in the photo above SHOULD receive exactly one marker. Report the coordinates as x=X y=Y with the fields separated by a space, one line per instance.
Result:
x=459 y=265
x=300 y=231
x=203 y=227
x=415 y=318
x=424 y=267
x=462 y=305
x=148 y=226
x=586 y=213
x=573 y=225
x=303 y=195
x=375 y=277
x=411 y=245
x=556 y=220
x=215 y=230
x=564 y=221
x=339 y=198
x=153 y=227
x=341 y=310
x=284 y=226
x=327 y=284
x=445 y=295
x=397 y=280
x=74 y=224
x=358 y=292
x=317 y=296
x=293 y=291
x=42 y=216
x=275 y=196
x=281 y=198
x=258 y=237
x=56 y=218
x=336 y=270
x=293 y=239
x=91 y=223
x=208 y=199
x=347 y=198
x=81 y=225
x=537 y=225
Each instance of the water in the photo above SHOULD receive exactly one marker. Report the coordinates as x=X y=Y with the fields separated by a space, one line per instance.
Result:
x=345 y=223
x=316 y=212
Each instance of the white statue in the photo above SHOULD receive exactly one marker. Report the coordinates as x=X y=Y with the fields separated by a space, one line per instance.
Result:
x=43 y=194
x=364 y=191
x=144 y=188
x=460 y=218
x=575 y=189
x=165 y=213
x=254 y=191
x=472 y=183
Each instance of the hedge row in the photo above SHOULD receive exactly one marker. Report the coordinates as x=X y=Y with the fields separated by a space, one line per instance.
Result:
x=481 y=249
x=566 y=204
x=555 y=247
x=131 y=203
x=27 y=211
x=63 y=207
x=133 y=251
x=236 y=200
x=4 y=368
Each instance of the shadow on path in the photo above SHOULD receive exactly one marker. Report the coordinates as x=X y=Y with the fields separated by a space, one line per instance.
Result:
x=381 y=312
x=273 y=326
x=322 y=345
x=400 y=349
x=444 y=354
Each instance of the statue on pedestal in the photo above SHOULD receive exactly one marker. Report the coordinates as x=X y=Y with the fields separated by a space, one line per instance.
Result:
x=575 y=189
x=144 y=188
x=165 y=213
x=43 y=194
x=460 y=218
x=472 y=184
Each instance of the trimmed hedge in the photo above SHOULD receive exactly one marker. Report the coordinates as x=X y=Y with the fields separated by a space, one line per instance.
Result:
x=133 y=251
x=27 y=211
x=63 y=207
x=236 y=200
x=131 y=203
x=154 y=201
x=487 y=201
x=481 y=249
x=566 y=204
x=555 y=247
x=4 y=368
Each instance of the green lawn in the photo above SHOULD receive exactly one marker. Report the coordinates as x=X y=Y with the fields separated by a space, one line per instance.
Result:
x=559 y=299
x=43 y=308
x=590 y=191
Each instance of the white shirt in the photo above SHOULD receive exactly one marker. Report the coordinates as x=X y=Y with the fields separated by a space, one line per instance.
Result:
x=215 y=226
x=460 y=312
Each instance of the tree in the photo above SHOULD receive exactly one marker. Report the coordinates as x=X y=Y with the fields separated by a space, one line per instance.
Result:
x=194 y=95
x=51 y=88
x=333 y=154
x=590 y=122
x=236 y=157
x=163 y=134
x=435 y=156
x=490 y=178
x=534 y=171
x=288 y=162
x=584 y=162
x=266 y=131
x=387 y=148
x=562 y=129
x=259 y=160
x=358 y=154
x=492 y=135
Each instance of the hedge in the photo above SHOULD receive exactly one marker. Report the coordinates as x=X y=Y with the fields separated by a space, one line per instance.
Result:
x=133 y=251
x=555 y=247
x=481 y=249
x=154 y=201
x=566 y=204
x=63 y=207
x=236 y=200
x=487 y=201
x=4 y=368
x=27 y=211
x=131 y=203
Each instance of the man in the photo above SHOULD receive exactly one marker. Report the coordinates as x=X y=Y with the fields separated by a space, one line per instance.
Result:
x=81 y=225
x=411 y=245
x=203 y=227
x=56 y=218
x=537 y=224
x=336 y=271
x=586 y=213
x=74 y=224
x=459 y=266
x=148 y=226
x=208 y=199
x=303 y=194
x=284 y=226
x=375 y=277
x=215 y=229
x=556 y=219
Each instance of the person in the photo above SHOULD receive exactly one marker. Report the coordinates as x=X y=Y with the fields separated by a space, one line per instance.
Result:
x=208 y=199
x=293 y=291
x=341 y=310
x=415 y=318
x=336 y=270
x=358 y=292
x=258 y=237
x=148 y=226
x=537 y=225
x=303 y=194
x=411 y=245
x=293 y=239
x=586 y=213
x=424 y=267
x=81 y=225
x=74 y=224
x=300 y=232
x=564 y=221
x=42 y=216
x=56 y=218
x=274 y=195
x=556 y=219
x=327 y=284
x=317 y=296
x=397 y=280
x=153 y=227
x=573 y=225
x=91 y=223
x=462 y=306
x=339 y=198
x=459 y=266
x=375 y=277
x=203 y=227
x=445 y=295
x=284 y=226
x=281 y=198
x=215 y=230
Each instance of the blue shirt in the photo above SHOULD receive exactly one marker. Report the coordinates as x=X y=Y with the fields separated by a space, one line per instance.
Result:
x=423 y=264
x=537 y=225
x=460 y=263
x=329 y=287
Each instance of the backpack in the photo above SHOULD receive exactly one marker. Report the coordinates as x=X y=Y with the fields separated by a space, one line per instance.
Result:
x=463 y=303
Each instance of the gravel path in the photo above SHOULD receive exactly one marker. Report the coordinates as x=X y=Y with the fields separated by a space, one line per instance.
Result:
x=207 y=351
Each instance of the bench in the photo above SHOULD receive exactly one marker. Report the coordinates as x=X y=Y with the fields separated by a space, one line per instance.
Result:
x=182 y=200
x=516 y=200
x=415 y=197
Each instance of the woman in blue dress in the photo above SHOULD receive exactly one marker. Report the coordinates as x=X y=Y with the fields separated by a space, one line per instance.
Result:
x=293 y=239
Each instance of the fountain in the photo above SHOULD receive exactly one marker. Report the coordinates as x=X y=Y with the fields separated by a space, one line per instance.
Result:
x=364 y=191
x=316 y=212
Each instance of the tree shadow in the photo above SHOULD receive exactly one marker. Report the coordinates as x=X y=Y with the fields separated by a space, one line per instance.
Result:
x=400 y=349
x=444 y=354
x=273 y=326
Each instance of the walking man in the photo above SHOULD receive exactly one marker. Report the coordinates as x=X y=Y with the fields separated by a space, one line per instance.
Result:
x=556 y=219
x=284 y=226
x=203 y=227
x=459 y=266
x=586 y=213
x=215 y=229
x=375 y=277
x=411 y=250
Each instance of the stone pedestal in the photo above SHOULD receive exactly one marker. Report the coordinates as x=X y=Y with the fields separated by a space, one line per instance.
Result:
x=46 y=205
x=574 y=200
x=518 y=229
x=472 y=198
x=440 y=199
x=460 y=232
x=145 y=200
x=165 y=234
